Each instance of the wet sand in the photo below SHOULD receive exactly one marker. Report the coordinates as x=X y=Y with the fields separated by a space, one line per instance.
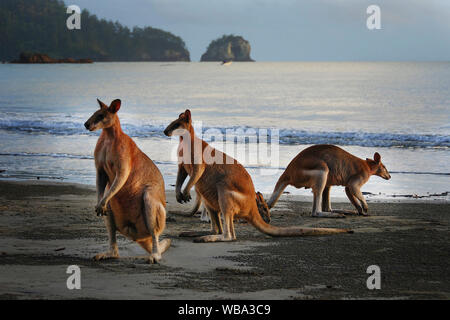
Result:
x=45 y=227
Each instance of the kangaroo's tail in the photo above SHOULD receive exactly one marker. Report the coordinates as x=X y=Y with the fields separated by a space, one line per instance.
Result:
x=198 y=203
x=282 y=183
x=274 y=231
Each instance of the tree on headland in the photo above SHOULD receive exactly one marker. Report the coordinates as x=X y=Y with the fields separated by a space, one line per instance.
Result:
x=40 y=26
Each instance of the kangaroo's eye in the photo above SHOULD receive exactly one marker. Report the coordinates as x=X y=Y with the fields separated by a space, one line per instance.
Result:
x=100 y=117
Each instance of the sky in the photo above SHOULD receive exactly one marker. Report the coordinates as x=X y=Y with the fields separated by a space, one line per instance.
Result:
x=295 y=30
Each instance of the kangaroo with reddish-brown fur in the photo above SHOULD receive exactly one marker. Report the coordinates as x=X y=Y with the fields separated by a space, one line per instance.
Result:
x=321 y=166
x=130 y=188
x=225 y=188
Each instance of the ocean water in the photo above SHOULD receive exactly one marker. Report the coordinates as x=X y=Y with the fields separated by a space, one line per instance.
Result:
x=400 y=110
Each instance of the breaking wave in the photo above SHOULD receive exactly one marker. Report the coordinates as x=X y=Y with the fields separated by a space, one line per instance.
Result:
x=72 y=126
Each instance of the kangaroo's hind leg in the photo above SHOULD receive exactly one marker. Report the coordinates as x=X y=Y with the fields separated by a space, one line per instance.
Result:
x=357 y=199
x=326 y=203
x=216 y=225
x=228 y=208
x=110 y=224
x=319 y=180
x=155 y=222
x=216 y=222
x=113 y=252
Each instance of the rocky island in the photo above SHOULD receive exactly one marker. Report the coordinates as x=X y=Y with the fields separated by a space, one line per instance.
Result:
x=228 y=48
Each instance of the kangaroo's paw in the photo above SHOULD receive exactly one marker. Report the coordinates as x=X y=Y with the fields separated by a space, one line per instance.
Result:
x=363 y=214
x=164 y=245
x=365 y=207
x=193 y=234
x=102 y=211
x=212 y=238
x=106 y=255
x=346 y=212
x=154 y=258
x=328 y=215
x=194 y=213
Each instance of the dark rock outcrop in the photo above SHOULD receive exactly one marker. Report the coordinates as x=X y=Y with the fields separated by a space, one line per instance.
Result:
x=228 y=48
x=43 y=58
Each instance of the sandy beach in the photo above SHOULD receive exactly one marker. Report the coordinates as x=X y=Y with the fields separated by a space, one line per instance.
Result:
x=45 y=227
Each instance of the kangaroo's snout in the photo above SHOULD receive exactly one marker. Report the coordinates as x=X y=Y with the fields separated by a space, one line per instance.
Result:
x=86 y=125
x=166 y=132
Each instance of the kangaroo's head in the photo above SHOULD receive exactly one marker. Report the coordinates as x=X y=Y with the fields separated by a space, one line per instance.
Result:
x=103 y=118
x=377 y=167
x=263 y=208
x=179 y=126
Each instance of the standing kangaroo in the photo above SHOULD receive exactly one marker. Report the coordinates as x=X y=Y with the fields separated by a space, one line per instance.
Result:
x=225 y=188
x=130 y=184
x=321 y=166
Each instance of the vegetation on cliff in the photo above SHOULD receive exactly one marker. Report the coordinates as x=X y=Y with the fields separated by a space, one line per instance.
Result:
x=40 y=26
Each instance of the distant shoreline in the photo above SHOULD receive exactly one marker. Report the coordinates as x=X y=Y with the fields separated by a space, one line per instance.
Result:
x=42 y=58
x=219 y=63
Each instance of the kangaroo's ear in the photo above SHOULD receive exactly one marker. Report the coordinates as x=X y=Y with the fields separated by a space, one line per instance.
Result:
x=187 y=115
x=102 y=105
x=115 y=106
x=377 y=157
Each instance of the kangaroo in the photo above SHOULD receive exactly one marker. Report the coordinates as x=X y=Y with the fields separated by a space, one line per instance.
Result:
x=265 y=214
x=224 y=186
x=130 y=188
x=321 y=166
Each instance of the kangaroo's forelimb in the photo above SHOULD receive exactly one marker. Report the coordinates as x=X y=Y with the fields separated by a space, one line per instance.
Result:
x=181 y=177
x=119 y=180
x=198 y=170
